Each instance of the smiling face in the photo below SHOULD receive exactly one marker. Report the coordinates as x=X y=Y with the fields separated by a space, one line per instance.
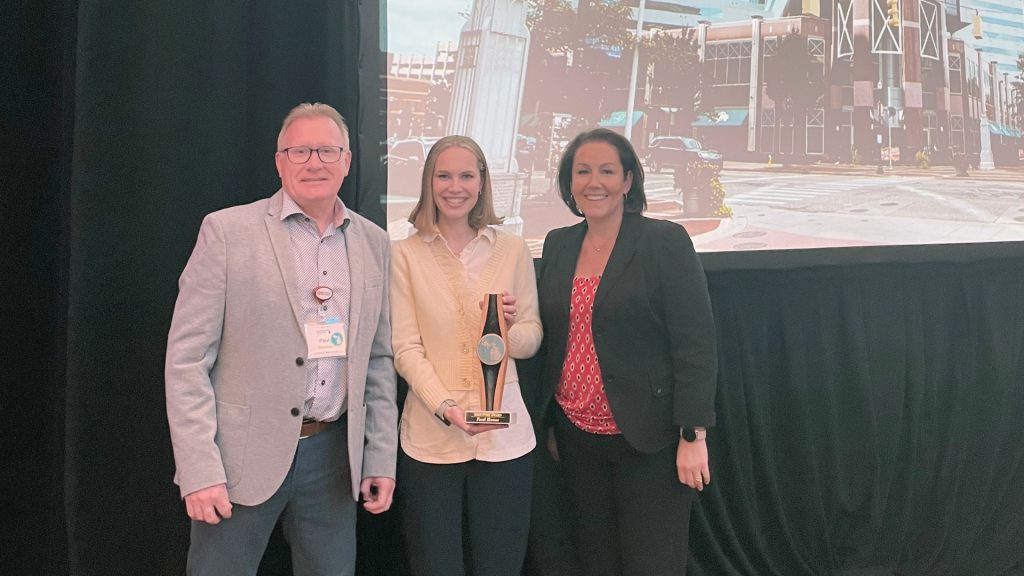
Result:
x=313 y=185
x=456 y=185
x=599 y=184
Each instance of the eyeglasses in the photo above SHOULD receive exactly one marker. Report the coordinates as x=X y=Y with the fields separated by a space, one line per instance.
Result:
x=302 y=154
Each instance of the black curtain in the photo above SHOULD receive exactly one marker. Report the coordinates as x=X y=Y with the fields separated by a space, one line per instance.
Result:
x=124 y=124
x=36 y=125
x=177 y=110
x=870 y=411
x=871 y=420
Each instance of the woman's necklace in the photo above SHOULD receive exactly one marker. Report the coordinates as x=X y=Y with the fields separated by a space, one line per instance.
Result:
x=602 y=246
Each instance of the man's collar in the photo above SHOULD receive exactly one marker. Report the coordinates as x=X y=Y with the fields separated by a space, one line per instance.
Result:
x=290 y=208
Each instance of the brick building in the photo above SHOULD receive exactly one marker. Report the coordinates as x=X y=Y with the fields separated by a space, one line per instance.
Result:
x=913 y=85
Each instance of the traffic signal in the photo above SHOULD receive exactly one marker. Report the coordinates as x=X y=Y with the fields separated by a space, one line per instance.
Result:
x=976 y=26
x=894 y=13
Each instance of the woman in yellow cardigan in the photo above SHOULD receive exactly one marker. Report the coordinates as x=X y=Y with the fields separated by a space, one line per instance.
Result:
x=447 y=467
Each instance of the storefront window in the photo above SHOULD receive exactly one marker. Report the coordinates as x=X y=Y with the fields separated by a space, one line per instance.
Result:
x=728 y=62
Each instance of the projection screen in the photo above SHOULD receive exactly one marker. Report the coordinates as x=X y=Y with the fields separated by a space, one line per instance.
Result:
x=761 y=124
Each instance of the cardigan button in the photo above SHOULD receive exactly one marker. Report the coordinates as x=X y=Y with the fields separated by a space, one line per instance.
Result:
x=295 y=412
x=300 y=361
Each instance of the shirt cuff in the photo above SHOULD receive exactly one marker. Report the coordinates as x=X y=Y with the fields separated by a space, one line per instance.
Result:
x=439 y=413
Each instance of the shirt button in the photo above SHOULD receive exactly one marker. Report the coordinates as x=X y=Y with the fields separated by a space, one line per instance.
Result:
x=325 y=272
x=299 y=361
x=325 y=306
x=295 y=412
x=322 y=382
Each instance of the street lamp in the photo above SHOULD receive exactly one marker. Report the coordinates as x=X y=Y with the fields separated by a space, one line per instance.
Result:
x=1006 y=100
x=631 y=93
x=890 y=112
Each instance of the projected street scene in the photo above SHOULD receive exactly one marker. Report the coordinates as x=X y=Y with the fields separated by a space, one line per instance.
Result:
x=762 y=124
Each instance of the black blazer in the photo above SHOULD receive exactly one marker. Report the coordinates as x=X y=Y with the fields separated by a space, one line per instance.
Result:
x=653 y=329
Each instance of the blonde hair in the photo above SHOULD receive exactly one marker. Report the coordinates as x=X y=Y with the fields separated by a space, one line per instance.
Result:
x=314 y=110
x=424 y=216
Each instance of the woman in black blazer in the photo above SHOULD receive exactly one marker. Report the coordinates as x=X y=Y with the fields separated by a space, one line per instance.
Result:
x=630 y=368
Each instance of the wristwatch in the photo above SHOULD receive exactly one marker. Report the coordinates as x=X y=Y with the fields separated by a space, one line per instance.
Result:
x=692 y=434
x=440 y=411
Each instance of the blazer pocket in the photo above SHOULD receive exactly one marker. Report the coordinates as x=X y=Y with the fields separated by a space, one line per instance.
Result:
x=232 y=439
x=660 y=382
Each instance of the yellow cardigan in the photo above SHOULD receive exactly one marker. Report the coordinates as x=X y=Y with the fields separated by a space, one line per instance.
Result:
x=435 y=320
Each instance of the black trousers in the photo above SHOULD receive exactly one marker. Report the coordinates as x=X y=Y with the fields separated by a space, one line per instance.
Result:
x=632 y=513
x=484 y=506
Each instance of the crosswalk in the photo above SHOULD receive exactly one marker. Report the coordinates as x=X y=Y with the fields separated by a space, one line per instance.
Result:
x=790 y=192
x=776 y=190
x=536 y=246
x=660 y=192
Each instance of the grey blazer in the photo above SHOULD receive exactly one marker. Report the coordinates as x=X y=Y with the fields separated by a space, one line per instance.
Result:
x=235 y=381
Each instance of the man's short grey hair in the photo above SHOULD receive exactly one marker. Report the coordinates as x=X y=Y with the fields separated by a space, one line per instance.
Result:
x=307 y=110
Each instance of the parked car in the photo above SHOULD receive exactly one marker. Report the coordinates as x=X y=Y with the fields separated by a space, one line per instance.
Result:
x=676 y=152
x=405 y=165
x=526 y=152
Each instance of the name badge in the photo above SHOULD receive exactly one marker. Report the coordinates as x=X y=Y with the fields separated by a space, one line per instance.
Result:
x=326 y=339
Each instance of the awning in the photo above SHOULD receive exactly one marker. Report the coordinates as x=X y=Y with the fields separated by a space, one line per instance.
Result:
x=617 y=119
x=1004 y=130
x=723 y=117
x=996 y=129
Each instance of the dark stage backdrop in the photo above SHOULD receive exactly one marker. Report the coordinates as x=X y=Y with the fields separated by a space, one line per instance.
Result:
x=871 y=414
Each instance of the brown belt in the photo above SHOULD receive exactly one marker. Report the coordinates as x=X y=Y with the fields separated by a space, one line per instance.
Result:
x=314 y=427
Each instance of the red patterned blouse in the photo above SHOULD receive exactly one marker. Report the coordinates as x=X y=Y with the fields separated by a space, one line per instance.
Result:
x=580 y=391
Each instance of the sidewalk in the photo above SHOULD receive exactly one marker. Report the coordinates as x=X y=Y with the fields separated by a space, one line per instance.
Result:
x=1013 y=174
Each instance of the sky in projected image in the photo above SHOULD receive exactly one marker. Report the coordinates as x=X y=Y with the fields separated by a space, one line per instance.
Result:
x=863 y=131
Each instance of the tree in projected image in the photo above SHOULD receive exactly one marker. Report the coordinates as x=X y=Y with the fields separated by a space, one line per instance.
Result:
x=579 y=63
x=573 y=54
x=1017 y=96
x=674 y=80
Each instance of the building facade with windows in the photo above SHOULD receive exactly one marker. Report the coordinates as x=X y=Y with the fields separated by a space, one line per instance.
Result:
x=906 y=84
x=1002 y=31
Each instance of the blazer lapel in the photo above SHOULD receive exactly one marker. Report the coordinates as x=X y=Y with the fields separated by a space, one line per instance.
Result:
x=355 y=243
x=619 y=259
x=564 y=268
x=281 y=243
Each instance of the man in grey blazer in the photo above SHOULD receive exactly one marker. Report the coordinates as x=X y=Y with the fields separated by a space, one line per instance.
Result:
x=279 y=375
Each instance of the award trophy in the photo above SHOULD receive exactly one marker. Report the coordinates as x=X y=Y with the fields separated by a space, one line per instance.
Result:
x=492 y=351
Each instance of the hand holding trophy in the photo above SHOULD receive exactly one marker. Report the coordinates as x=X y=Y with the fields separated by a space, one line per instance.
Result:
x=492 y=350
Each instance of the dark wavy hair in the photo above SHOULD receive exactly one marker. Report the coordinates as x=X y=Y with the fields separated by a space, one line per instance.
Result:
x=636 y=200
